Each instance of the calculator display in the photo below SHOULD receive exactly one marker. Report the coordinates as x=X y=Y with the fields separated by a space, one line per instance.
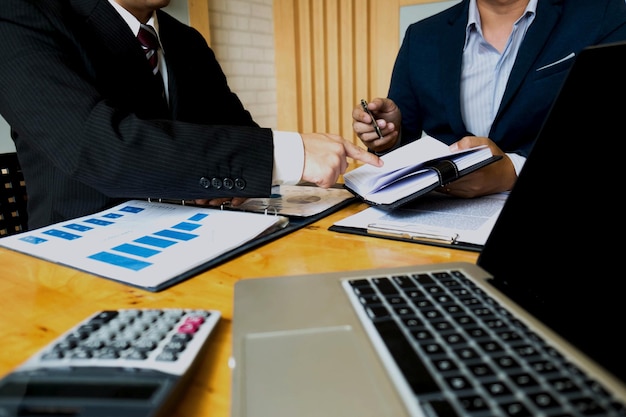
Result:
x=123 y=391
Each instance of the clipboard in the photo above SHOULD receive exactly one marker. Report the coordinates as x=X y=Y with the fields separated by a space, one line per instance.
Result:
x=436 y=219
x=153 y=244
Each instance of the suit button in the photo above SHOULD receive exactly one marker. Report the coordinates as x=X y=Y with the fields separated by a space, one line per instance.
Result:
x=240 y=183
x=204 y=182
x=216 y=183
x=229 y=183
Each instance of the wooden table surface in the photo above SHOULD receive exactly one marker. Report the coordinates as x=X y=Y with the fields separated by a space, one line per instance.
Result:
x=41 y=300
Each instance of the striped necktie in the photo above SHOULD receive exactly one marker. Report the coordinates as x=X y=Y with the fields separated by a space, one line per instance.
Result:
x=149 y=42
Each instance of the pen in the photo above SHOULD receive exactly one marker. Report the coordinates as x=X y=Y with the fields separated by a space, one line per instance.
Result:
x=364 y=105
x=426 y=236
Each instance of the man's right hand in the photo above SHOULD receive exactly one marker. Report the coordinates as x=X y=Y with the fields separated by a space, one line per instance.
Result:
x=388 y=118
x=325 y=158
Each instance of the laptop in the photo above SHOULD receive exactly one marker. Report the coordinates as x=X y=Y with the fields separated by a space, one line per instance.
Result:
x=534 y=328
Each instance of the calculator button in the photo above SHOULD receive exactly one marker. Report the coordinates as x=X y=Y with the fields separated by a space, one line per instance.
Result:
x=182 y=337
x=167 y=356
x=135 y=354
x=188 y=328
x=165 y=340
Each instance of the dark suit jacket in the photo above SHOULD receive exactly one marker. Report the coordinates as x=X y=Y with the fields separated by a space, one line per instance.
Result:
x=90 y=128
x=426 y=78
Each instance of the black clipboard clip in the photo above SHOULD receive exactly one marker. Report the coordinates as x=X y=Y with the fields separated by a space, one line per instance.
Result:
x=425 y=236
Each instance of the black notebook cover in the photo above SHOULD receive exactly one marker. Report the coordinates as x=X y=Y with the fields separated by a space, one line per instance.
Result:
x=446 y=176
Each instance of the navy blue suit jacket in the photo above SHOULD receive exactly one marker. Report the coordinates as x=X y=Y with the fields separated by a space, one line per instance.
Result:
x=90 y=128
x=426 y=77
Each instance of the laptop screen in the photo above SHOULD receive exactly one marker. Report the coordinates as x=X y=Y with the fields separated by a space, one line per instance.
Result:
x=555 y=248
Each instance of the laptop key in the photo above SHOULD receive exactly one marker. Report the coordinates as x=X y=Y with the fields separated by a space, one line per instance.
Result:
x=516 y=409
x=378 y=312
x=409 y=363
x=385 y=286
x=443 y=408
x=589 y=407
x=474 y=403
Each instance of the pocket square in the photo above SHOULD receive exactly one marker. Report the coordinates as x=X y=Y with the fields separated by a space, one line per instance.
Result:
x=570 y=56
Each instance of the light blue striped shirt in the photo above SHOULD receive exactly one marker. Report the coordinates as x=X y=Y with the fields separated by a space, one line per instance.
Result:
x=485 y=73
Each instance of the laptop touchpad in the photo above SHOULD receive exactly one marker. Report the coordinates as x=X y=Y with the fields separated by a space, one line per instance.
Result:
x=315 y=372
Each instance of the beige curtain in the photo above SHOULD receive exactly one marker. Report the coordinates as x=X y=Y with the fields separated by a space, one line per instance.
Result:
x=329 y=55
x=199 y=17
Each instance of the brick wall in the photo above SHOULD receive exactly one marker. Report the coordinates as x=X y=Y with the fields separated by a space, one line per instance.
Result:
x=242 y=36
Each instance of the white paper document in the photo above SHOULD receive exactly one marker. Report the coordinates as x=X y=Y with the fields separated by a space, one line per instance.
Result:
x=143 y=243
x=436 y=217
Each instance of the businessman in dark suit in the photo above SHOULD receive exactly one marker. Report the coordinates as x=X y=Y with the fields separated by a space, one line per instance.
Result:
x=92 y=125
x=486 y=72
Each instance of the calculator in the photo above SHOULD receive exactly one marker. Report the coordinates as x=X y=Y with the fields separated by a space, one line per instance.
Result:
x=124 y=362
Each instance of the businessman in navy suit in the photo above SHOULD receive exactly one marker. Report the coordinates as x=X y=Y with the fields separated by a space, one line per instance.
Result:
x=486 y=72
x=92 y=126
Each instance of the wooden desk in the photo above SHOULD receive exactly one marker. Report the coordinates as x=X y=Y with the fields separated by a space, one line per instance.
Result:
x=41 y=300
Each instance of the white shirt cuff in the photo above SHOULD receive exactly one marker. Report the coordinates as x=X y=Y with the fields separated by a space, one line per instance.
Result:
x=288 y=158
x=518 y=161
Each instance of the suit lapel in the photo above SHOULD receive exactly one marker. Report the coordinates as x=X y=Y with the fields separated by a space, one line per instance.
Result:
x=548 y=13
x=121 y=66
x=547 y=17
x=451 y=65
x=116 y=39
x=166 y=33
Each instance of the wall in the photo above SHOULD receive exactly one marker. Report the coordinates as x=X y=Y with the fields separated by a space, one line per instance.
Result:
x=6 y=143
x=242 y=36
x=412 y=13
x=179 y=10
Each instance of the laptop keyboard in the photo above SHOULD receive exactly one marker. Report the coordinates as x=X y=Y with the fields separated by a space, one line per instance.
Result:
x=462 y=353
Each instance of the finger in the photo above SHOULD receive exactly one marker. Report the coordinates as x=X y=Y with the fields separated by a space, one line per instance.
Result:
x=327 y=175
x=369 y=139
x=357 y=114
x=218 y=201
x=362 y=155
x=377 y=104
x=237 y=201
x=363 y=130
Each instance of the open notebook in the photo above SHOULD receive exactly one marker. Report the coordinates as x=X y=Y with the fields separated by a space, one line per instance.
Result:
x=535 y=328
